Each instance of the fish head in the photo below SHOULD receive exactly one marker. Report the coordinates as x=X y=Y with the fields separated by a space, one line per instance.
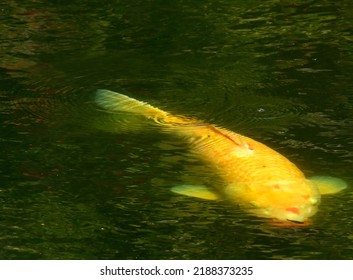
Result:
x=288 y=200
x=294 y=200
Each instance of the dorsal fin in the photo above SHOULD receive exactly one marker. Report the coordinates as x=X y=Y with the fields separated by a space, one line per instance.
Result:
x=235 y=138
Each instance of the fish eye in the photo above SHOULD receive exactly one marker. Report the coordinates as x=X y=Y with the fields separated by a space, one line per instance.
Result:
x=313 y=201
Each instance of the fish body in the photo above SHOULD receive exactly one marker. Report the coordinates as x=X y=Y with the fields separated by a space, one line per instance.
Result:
x=253 y=175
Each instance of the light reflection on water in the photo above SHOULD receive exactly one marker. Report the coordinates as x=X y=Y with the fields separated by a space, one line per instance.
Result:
x=72 y=188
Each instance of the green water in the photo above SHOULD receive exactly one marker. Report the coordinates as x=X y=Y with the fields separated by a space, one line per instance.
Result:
x=73 y=188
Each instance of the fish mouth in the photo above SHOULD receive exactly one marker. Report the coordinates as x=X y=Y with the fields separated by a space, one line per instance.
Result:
x=296 y=222
x=293 y=223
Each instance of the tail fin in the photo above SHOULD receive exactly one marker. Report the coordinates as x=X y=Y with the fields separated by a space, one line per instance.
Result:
x=116 y=102
x=127 y=115
x=127 y=112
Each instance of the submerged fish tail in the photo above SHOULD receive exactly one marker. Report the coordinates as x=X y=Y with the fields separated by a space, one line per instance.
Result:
x=116 y=102
x=119 y=103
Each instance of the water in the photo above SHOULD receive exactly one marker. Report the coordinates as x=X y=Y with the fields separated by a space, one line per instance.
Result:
x=73 y=188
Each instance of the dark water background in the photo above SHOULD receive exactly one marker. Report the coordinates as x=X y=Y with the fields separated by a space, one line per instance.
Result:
x=278 y=71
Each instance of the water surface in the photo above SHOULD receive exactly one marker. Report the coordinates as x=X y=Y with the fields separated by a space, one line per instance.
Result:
x=74 y=187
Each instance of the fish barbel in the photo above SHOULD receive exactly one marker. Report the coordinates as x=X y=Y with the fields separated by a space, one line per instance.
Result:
x=254 y=176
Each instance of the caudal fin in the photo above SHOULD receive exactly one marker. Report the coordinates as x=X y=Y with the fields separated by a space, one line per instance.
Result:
x=126 y=113
x=116 y=102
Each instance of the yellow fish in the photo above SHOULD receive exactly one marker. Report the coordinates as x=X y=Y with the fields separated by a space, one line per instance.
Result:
x=254 y=176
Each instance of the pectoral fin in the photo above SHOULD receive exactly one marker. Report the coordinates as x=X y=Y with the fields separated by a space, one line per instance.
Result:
x=195 y=191
x=328 y=184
